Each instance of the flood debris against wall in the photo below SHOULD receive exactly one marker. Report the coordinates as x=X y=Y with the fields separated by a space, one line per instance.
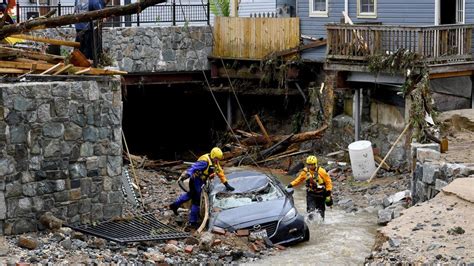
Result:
x=61 y=148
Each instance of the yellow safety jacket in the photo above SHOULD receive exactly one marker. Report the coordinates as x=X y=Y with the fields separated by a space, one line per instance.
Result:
x=316 y=184
x=217 y=168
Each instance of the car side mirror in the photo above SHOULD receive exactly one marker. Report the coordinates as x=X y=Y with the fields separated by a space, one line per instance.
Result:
x=290 y=190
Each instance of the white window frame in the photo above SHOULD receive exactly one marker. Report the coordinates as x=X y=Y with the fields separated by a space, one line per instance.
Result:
x=366 y=14
x=460 y=11
x=313 y=13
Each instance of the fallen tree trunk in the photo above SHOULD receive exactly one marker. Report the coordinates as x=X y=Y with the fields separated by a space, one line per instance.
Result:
x=8 y=30
x=295 y=138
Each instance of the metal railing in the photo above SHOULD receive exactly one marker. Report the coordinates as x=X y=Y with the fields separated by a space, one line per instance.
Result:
x=162 y=13
x=433 y=43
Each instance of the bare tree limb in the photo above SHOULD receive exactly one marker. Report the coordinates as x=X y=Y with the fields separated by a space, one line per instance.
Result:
x=7 y=30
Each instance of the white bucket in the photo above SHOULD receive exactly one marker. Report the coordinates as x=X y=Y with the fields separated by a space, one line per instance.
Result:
x=362 y=159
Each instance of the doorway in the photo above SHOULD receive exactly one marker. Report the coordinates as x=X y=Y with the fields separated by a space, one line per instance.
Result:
x=451 y=11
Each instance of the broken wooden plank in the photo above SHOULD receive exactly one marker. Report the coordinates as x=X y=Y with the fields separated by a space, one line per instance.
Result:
x=30 y=54
x=267 y=152
x=99 y=71
x=4 y=70
x=63 y=69
x=379 y=160
x=297 y=49
x=28 y=25
x=335 y=153
x=79 y=59
x=46 y=40
x=51 y=69
x=262 y=128
x=247 y=134
x=300 y=137
x=82 y=71
x=284 y=156
x=24 y=65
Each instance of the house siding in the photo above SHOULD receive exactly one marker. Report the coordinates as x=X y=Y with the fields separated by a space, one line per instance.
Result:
x=248 y=7
x=394 y=12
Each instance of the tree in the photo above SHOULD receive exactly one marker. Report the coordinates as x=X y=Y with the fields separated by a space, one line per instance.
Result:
x=220 y=7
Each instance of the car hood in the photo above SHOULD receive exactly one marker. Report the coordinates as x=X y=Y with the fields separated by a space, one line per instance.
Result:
x=248 y=215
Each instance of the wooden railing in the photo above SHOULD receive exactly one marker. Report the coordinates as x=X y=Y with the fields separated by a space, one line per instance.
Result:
x=444 y=43
x=254 y=38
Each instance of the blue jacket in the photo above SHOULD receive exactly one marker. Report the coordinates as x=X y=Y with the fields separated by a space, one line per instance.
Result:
x=81 y=6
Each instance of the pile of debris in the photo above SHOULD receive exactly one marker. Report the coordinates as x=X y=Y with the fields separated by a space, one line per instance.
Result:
x=253 y=148
x=20 y=61
x=25 y=60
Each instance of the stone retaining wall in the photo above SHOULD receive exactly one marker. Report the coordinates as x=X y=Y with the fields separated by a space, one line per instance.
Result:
x=151 y=49
x=431 y=174
x=60 y=151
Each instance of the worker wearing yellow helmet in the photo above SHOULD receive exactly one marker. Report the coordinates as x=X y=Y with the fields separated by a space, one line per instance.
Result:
x=205 y=168
x=318 y=186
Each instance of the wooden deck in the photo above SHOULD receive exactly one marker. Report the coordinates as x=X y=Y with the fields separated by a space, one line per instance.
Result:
x=435 y=44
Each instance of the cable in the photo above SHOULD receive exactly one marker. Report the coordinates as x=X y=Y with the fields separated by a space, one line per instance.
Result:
x=209 y=86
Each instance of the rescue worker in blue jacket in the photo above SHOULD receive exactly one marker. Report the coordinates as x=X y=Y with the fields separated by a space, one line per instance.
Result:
x=202 y=170
x=85 y=30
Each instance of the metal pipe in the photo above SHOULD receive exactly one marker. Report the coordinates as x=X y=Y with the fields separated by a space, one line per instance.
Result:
x=229 y=109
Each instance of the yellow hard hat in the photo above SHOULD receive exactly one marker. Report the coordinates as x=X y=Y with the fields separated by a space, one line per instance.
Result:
x=216 y=153
x=312 y=160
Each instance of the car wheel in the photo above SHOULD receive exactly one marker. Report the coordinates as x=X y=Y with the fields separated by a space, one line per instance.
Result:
x=306 y=235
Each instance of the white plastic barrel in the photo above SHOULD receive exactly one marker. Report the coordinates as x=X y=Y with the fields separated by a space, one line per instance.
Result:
x=362 y=159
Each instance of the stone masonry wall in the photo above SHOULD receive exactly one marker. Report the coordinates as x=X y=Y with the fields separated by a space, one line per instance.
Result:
x=60 y=151
x=150 y=49
x=431 y=174
x=153 y=49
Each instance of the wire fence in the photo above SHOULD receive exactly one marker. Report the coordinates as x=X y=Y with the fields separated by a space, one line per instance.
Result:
x=170 y=13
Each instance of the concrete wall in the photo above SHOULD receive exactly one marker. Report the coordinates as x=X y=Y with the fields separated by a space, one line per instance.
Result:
x=60 y=151
x=451 y=93
x=386 y=114
x=431 y=174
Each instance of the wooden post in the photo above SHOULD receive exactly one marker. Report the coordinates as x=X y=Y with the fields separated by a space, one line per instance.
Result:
x=235 y=8
x=262 y=128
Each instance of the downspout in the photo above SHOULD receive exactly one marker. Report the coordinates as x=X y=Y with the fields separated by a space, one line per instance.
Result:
x=346 y=10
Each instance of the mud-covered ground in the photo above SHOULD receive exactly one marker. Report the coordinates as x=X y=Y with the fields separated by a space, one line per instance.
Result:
x=158 y=190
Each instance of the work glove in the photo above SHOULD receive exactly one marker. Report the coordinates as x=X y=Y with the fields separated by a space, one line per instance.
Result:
x=229 y=187
x=328 y=201
x=184 y=176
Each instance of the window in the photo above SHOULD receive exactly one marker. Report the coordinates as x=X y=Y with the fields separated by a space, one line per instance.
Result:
x=366 y=8
x=460 y=5
x=318 y=8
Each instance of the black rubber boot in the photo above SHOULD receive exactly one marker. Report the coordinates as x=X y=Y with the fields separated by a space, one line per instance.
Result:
x=174 y=208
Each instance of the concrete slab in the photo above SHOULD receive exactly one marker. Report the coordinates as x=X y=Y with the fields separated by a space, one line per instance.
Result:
x=461 y=187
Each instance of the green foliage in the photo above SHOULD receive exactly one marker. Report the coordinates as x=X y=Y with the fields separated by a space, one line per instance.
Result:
x=220 y=7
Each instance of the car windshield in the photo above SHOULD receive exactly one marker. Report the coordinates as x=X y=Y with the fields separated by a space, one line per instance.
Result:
x=225 y=200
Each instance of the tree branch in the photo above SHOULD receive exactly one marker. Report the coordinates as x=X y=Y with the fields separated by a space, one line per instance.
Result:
x=76 y=18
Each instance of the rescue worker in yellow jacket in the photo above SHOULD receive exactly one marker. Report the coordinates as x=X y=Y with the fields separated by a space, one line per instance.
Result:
x=318 y=186
x=202 y=170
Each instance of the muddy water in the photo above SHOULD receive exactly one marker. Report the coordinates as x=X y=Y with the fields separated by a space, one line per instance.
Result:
x=341 y=239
